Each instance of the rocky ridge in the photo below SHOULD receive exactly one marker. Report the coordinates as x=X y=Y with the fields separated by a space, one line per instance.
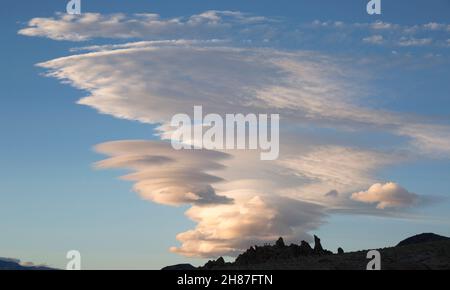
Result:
x=421 y=252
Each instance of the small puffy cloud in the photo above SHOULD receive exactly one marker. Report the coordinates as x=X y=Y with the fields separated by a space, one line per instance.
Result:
x=380 y=25
x=434 y=26
x=374 y=39
x=333 y=24
x=386 y=195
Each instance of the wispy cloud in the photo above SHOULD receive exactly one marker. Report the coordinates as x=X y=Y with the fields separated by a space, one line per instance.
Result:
x=143 y=26
x=302 y=85
x=405 y=41
x=380 y=25
x=374 y=39
x=390 y=34
x=434 y=26
x=343 y=169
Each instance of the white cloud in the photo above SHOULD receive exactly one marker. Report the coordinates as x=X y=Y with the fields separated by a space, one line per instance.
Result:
x=335 y=24
x=132 y=82
x=380 y=25
x=434 y=26
x=386 y=195
x=374 y=39
x=405 y=41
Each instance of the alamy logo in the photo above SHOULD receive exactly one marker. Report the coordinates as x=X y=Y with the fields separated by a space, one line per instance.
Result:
x=375 y=262
x=74 y=7
x=237 y=131
x=74 y=257
x=374 y=7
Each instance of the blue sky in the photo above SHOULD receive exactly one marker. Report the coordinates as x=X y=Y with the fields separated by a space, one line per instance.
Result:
x=52 y=199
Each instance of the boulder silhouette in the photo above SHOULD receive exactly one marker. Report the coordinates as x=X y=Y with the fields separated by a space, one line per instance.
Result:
x=280 y=243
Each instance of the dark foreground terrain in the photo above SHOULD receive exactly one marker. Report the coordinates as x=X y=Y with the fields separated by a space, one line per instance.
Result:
x=420 y=252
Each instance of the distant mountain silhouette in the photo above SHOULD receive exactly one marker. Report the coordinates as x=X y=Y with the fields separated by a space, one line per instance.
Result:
x=180 y=267
x=13 y=264
x=422 y=238
x=420 y=252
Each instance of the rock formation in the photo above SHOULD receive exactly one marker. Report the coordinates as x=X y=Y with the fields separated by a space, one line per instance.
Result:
x=280 y=243
x=211 y=264
x=317 y=245
x=421 y=252
x=305 y=249
x=279 y=251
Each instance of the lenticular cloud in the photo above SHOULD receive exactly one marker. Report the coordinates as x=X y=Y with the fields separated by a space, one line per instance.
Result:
x=235 y=199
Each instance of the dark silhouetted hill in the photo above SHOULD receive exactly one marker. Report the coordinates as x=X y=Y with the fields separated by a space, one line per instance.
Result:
x=420 y=252
x=13 y=264
x=180 y=267
x=422 y=238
